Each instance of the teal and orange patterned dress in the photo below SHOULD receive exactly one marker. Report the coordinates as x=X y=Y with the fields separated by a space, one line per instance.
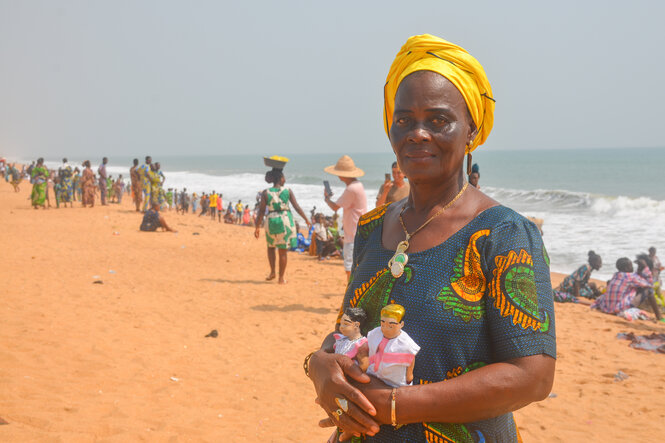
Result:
x=280 y=227
x=483 y=296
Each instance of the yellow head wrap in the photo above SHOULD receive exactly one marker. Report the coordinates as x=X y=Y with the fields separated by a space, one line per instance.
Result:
x=429 y=53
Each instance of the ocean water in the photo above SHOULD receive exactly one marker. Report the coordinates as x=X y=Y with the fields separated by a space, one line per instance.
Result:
x=611 y=201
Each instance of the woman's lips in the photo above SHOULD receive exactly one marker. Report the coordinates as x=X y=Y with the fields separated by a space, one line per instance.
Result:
x=419 y=155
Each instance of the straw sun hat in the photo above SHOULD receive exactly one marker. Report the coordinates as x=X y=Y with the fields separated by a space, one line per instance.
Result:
x=345 y=168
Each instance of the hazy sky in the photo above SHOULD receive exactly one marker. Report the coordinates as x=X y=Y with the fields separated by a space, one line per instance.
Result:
x=126 y=77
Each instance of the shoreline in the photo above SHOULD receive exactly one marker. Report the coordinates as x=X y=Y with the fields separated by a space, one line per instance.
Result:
x=128 y=360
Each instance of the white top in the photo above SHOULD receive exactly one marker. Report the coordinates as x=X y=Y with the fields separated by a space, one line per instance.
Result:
x=354 y=202
x=390 y=363
x=321 y=231
x=348 y=347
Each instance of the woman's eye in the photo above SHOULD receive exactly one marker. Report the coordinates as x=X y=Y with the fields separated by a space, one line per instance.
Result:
x=402 y=120
x=439 y=121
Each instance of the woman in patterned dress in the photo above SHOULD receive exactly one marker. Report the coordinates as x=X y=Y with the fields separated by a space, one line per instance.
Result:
x=88 y=185
x=281 y=231
x=475 y=285
x=39 y=176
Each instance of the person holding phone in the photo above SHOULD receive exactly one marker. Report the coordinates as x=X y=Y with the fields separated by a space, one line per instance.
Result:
x=395 y=190
x=353 y=200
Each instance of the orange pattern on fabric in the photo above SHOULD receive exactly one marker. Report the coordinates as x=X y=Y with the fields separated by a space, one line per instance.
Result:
x=359 y=291
x=501 y=302
x=372 y=215
x=471 y=286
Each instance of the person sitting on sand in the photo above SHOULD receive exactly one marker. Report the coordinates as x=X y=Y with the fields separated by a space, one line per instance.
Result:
x=627 y=289
x=325 y=243
x=577 y=284
x=152 y=220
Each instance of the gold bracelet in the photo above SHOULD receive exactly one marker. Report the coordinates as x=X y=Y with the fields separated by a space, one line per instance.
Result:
x=393 y=415
x=305 y=364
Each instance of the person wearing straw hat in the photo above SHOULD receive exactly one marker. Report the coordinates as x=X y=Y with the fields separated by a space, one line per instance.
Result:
x=472 y=275
x=353 y=200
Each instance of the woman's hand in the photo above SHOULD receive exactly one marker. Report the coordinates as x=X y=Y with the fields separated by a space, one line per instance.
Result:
x=329 y=373
x=379 y=395
x=257 y=232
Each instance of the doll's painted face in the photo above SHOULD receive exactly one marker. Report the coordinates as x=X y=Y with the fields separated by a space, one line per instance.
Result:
x=348 y=327
x=390 y=327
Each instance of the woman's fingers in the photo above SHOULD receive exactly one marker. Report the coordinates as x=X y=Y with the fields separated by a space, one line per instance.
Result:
x=353 y=370
x=361 y=421
x=326 y=423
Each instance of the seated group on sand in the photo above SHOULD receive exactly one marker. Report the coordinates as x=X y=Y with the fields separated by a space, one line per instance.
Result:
x=625 y=293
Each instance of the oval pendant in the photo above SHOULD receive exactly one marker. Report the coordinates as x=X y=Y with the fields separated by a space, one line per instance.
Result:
x=396 y=269
x=397 y=263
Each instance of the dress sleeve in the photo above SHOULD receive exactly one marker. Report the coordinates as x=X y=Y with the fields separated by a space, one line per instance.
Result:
x=518 y=299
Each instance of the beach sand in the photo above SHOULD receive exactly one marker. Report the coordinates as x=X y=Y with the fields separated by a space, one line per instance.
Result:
x=127 y=360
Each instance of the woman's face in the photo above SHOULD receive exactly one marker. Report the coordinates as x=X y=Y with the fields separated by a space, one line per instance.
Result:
x=431 y=128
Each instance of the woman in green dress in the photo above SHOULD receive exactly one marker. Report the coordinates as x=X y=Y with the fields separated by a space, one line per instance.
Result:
x=281 y=231
x=39 y=177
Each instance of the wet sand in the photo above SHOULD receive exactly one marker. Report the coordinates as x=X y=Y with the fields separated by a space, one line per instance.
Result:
x=127 y=360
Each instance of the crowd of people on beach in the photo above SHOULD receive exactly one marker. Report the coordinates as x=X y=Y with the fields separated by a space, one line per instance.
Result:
x=66 y=184
x=625 y=294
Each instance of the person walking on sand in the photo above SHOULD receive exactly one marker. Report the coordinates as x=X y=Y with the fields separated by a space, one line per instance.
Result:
x=146 y=187
x=239 y=210
x=353 y=200
x=66 y=183
x=395 y=190
x=213 y=205
x=39 y=179
x=220 y=208
x=195 y=202
x=76 y=181
x=136 y=184
x=103 y=184
x=88 y=185
x=281 y=231
x=119 y=187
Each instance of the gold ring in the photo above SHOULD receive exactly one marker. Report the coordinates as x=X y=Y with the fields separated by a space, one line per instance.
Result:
x=338 y=413
x=342 y=403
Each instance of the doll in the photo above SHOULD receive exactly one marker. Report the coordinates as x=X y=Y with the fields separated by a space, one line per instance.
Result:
x=350 y=339
x=391 y=352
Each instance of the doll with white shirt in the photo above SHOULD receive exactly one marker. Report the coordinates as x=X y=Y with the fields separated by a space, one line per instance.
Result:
x=390 y=351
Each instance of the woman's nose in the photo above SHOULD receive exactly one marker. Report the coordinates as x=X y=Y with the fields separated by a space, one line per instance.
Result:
x=419 y=135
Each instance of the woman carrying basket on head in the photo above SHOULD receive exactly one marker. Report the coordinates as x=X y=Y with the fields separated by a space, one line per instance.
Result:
x=280 y=228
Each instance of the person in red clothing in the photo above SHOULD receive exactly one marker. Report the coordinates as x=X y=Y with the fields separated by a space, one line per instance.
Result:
x=220 y=208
